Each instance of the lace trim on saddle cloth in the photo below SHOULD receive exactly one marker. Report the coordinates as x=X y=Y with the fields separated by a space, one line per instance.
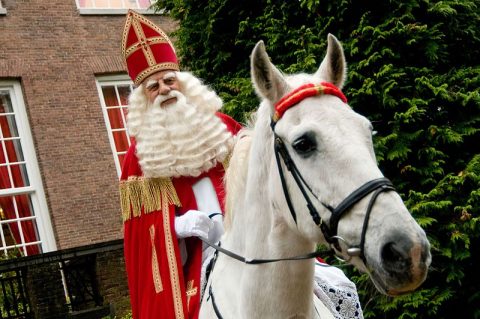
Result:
x=340 y=298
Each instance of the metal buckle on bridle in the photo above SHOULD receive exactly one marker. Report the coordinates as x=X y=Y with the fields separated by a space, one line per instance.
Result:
x=352 y=251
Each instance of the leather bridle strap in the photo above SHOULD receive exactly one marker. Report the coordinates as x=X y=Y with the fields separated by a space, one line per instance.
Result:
x=214 y=304
x=378 y=185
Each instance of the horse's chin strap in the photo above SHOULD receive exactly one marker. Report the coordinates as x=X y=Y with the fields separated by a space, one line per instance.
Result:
x=376 y=186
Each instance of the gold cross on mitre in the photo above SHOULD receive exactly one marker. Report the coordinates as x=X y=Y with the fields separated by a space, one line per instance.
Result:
x=191 y=291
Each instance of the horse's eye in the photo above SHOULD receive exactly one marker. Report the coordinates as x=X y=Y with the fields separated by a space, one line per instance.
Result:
x=305 y=144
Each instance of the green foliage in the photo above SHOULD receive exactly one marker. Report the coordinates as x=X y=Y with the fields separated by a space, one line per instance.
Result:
x=414 y=72
x=126 y=316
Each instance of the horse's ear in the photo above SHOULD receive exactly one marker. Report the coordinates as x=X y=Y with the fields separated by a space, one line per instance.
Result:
x=268 y=81
x=333 y=68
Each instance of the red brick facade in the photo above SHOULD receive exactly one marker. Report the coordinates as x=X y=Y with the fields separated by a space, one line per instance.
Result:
x=55 y=54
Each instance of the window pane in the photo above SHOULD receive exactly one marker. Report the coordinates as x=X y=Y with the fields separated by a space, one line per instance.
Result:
x=124 y=92
x=121 y=158
x=15 y=230
x=24 y=205
x=8 y=239
x=86 y=3
x=30 y=232
x=19 y=175
x=115 y=117
x=121 y=141
x=101 y=4
x=109 y=95
x=8 y=126
x=114 y=4
x=144 y=4
x=5 y=103
x=14 y=151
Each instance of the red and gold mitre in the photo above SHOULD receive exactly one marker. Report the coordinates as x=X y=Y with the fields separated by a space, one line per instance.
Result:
x=146 y=48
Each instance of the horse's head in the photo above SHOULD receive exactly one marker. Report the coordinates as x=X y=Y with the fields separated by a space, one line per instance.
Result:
x=331 y=147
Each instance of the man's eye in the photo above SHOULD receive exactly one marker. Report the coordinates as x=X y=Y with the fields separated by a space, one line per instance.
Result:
x=153 y=87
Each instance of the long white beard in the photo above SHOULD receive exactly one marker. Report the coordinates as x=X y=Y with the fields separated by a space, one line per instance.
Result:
x=180 y=139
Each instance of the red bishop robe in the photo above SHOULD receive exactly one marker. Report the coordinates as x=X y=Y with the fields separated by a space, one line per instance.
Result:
x=159 y=286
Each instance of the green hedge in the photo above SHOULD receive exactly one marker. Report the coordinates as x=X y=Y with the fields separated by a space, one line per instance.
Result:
x=414 y=72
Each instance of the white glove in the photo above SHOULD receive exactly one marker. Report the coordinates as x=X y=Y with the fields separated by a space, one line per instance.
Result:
x=217 y=230
x=193 y=223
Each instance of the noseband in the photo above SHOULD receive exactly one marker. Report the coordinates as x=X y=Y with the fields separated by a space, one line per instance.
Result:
x=375 y=186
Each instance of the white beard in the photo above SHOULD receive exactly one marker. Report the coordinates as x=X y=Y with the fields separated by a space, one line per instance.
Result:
x=179 y=139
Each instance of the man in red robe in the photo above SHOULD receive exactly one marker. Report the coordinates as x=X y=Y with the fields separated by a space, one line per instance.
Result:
x=171 y=185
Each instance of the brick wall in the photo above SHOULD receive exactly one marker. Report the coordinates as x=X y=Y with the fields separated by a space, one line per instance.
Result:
x=56 y=53
x=46 y=292
x=112 y=281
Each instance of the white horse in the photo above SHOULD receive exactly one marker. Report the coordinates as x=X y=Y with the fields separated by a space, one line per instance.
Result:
x=331 y=149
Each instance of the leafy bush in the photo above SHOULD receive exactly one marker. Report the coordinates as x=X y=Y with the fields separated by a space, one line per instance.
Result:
x=414 y=72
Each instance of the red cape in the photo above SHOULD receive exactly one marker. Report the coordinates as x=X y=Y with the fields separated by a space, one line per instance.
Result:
x=159 y=286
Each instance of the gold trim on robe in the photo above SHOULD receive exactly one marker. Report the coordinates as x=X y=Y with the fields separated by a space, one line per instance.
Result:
x=149 y=193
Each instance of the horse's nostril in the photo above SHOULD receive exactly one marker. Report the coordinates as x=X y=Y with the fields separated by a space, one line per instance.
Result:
x=395 y=256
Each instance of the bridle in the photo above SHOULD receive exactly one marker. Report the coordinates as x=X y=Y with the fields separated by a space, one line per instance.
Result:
x=375 y=186
x=329 y=231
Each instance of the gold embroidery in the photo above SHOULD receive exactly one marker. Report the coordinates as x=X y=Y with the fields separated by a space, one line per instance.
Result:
x=134 y=16
x=191 y=291
x=172 y=262
x=136 y=46
x=154 y=68
x=143 y=42
x=226 y=161
x=157 y=280
x=138 y=192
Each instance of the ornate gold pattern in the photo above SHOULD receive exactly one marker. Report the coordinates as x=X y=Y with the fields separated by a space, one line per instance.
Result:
x=131 y=16
x=226 y=161
x=138 y=45
x=154 y=68
x=157 y=280
x=172 y=262
x=143 y=42
x=191 y=291
x=150 y=193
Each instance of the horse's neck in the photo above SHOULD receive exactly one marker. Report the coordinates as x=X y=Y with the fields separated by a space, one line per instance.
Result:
x=258 y=231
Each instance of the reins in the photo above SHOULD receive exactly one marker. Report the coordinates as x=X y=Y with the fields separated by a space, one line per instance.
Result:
x=255 y=261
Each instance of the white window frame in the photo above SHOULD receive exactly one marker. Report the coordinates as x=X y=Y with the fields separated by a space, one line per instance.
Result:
x=35 y=189
x=3 y=10
x=112 y=80
x=113 y=11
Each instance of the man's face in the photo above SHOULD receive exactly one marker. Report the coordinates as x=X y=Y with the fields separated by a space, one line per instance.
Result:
x=161 y=83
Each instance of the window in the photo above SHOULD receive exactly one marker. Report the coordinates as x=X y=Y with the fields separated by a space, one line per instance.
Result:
x=2 y=9
x=114 y=92
x=24 y=218
x=114 y=6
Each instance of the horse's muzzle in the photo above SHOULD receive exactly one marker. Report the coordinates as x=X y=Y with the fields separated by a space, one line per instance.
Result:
x=404 y=264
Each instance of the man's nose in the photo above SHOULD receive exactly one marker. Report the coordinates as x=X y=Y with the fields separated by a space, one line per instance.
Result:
x=164 y=89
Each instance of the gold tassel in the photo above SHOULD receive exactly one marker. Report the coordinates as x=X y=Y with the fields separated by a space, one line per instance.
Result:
x=226 y=161
x=149 y=193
